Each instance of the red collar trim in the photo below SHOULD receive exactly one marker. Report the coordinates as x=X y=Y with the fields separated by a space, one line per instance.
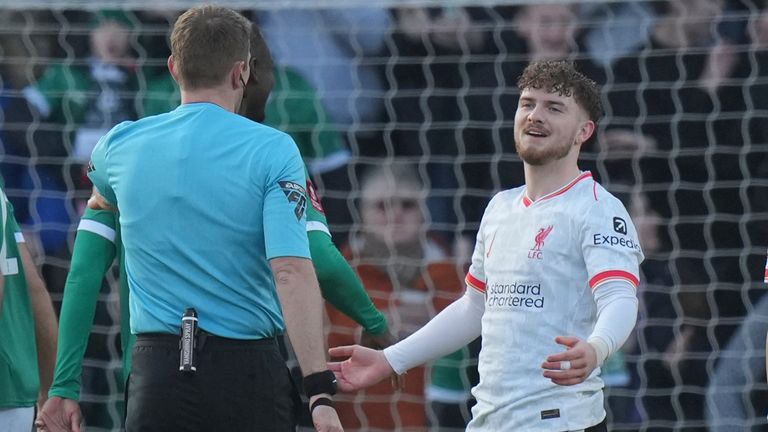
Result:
x=528 y=202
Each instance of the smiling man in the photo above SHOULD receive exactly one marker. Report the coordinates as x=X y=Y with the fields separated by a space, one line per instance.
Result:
x=559 y=299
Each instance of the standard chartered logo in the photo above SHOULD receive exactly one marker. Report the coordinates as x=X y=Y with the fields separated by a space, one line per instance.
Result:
x=519 y=295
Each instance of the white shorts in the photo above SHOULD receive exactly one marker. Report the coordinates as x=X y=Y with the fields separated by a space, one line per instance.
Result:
x=17 y=419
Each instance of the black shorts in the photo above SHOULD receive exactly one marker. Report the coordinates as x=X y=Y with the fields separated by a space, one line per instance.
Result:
x=238 y=385
x=600 y=427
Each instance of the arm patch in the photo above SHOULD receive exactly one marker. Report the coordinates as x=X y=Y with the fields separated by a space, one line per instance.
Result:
x=296 y=195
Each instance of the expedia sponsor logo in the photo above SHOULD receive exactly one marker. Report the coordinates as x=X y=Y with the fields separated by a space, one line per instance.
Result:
x=619 y=225
x=516 y=295
x=612 y=240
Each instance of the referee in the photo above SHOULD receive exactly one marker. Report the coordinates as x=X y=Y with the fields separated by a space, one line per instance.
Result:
x=212 y=208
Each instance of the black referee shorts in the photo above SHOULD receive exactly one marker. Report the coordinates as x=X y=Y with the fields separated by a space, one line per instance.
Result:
x=239 y=386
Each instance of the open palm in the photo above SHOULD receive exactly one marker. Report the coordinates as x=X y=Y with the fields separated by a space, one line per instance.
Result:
x=362 y=367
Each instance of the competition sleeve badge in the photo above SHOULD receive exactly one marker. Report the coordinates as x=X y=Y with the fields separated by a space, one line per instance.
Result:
x=314 y=198
x=296 y=195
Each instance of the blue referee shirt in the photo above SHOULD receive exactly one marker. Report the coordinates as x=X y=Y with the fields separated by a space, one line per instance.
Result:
x=206 y=198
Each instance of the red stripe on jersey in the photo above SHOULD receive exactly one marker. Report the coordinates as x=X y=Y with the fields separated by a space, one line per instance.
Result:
x=766 y=275
x=594 y=189
x=527 y=201
x=611 y=275
x=475 y=283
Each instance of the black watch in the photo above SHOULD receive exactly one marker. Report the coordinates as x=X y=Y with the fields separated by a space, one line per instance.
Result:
x=320 y=382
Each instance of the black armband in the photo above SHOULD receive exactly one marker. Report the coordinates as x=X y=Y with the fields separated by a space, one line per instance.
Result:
x=320 y=382
x=322 y=401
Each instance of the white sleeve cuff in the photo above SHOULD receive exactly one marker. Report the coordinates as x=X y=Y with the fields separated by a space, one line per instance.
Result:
x=616 y=317
x=453 y=328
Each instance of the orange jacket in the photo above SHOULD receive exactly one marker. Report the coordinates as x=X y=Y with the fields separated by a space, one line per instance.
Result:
x=381 y=406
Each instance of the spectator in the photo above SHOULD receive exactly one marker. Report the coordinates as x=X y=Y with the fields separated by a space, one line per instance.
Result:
x=82 y=101
x=329 y=47
x=684 y=89
x=87 y=100
x=736 y=395
x=438 y=50
x=606 y=27
x=30 y=163
x=410 y=276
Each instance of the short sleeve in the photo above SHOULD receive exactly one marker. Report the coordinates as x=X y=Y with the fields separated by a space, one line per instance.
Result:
x=285 y=203
x=97 y=170
x=610 y=244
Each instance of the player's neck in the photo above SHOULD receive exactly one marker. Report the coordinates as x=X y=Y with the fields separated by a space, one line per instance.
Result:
x=542 y=180
x=215 y=96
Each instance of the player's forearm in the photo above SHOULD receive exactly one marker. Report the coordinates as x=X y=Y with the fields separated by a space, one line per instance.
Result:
x=341 y=287
x=454 y=327
x=45 y=320
x=92 y=256
x=302 y=307
x=616 y=317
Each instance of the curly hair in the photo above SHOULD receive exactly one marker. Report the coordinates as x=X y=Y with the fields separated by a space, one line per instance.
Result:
x=561 y=77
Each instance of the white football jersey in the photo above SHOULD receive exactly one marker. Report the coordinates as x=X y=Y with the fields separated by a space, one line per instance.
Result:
x=538 y=264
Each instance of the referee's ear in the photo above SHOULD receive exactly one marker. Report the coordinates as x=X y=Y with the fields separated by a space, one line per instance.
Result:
x=172 y=69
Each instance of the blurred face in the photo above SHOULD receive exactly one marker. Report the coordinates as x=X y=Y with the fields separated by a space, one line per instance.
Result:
x=549 y=30
x=259 y=86
x=697 y=18
x=758 y=28
x=646 y=222
x=392 y=213
x=109 y=41
x=549 y=126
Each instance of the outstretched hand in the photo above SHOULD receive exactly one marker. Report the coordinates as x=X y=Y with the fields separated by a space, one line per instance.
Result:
x=362 y=367
x=59 y=415
x=573 y=365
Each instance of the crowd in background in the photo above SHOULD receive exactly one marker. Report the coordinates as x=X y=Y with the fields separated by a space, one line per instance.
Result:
x=404 y=117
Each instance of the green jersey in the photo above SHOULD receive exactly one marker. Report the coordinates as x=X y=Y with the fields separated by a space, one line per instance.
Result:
x=19 y=379
x=96 y=245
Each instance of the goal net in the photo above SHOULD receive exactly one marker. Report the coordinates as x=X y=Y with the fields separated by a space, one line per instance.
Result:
x=405 y=109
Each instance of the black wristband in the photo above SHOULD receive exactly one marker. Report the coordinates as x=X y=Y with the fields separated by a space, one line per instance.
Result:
x=321 y=401
x=320 y=382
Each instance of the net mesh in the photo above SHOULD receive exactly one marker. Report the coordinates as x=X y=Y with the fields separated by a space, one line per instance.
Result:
x=683 y=144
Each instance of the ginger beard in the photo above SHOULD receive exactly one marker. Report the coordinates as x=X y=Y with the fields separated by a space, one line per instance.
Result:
x=541 y=155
